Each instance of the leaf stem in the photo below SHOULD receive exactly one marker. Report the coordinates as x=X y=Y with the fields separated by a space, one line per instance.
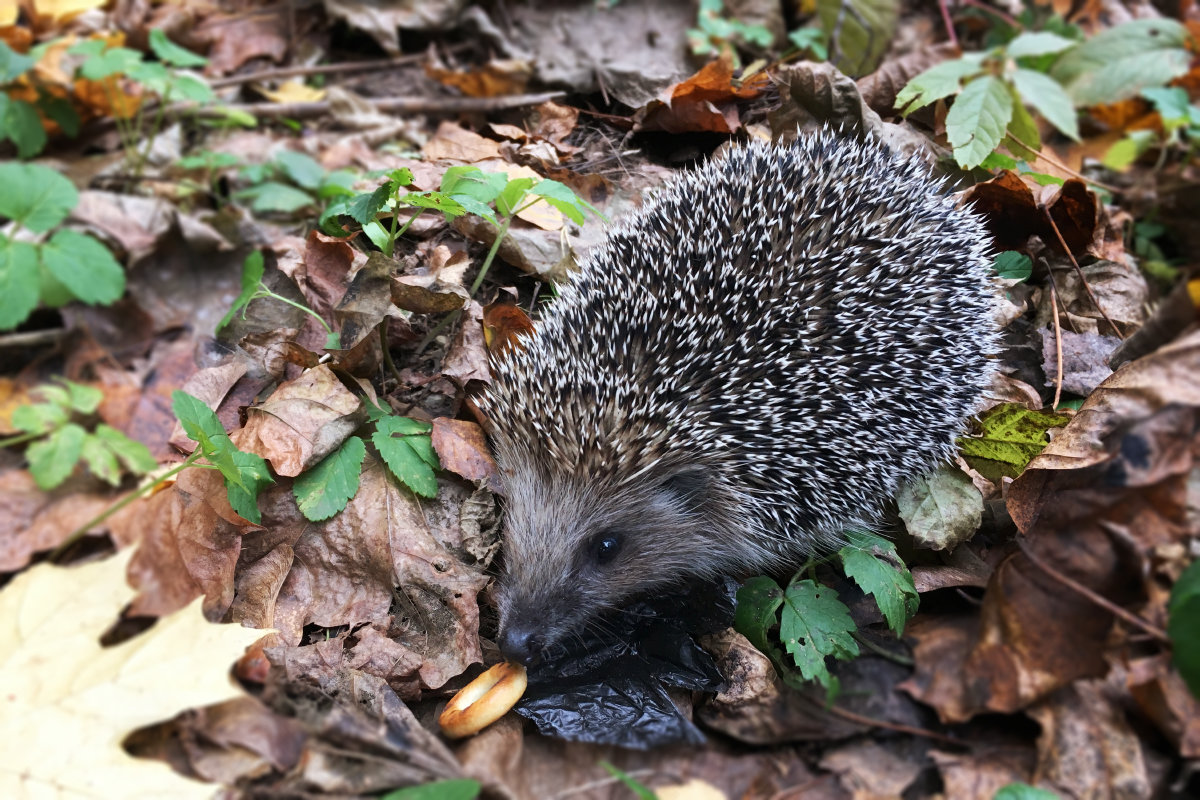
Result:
x=263 y=291
x=22 y=438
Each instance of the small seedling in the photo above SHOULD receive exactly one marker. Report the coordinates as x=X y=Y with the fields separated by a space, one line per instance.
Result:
x=293 y=181
x=253 y=288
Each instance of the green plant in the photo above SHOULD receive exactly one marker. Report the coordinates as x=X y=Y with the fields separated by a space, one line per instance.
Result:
x=61 y=441
x=1012 y=265
x=166 y=79
x=1051 y=74
x=292 y=181
x=809 y=619
x=66 y=266
x=209 y=163
x=718 y=35
x=1183 y=626
x=20 y=119
x=463 y=789
x=253 y=288
x=1181 y=131
x=404 y=444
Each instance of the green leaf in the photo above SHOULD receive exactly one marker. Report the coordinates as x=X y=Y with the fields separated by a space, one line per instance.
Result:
x=406 y=448
x=1037 y=43
x=940 y=80
x=302 y=169
x=1183 y=626
x=85 y=266
x=757 y=612
x=510 y=197
x=978 y=119
x=52 y=460
x=380 y=236
x=401 y=177
x=202 y=426
x=1023 y=791
x=101 y=461
x=252 y=274
x=859 y=31
x=18 y=281
x=84 y=399
x=13 y=64
x=136 y=457
x=113 y=61
x=251 y=476
x=1049 y=98
x=814 y=624
x=1013 y=266
x=639 y=791
x=871 y=561
x=325 y=489
x=22 y=124
x=468 y=205
x=171 y=53
x=1170 y=102
x=1118 y=63
x=1022 y=137
x=39 y=417
x=449 y=206
x=364 y=208
x=182 y=85
x=61 y=111
x=36 y=197
x=1126 y=151
x=1012 y=435
x=463 y=789
x=276 y=196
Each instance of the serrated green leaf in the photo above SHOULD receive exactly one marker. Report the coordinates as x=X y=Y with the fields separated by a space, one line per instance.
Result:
x=23 y=125
x=455 y=175
x=470 y=205
x=757 y=612
x=171 y=53
x=18 y=282
x=1171 y=103
x=251 y=477
x=62 y=112
x=1037 y=43
x=52 y=459
x=1049 y=98
x=364 y=208
x=814 y=624
x=940 y=80
x=136 y=457
x=85 y=266
x=301 y=168
x=1022 y=137
x=569 y=210
x=36 y=197
x=402 y=447
x=39 y=417
x=976 y=123
x=401 y=177
x=1011 y=436
x=113 y=61
x=202 y=426
x=1183 y=626
x=84 y=399
x=437 y=201
x=871 y=561
x=252 y=273
x=512 y=194
x=185 y=86
x=325 y=489
x=477 y=184
x=1118 y=63
x=464 y=789
x=101 y=461
x=1013 y=266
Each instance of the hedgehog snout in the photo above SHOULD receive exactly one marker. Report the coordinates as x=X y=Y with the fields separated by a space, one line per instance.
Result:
x=522 y=641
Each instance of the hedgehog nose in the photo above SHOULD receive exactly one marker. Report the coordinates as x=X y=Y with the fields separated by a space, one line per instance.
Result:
x=521 y=643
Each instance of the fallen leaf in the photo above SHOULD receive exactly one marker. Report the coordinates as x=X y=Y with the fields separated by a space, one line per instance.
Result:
x=69 y=702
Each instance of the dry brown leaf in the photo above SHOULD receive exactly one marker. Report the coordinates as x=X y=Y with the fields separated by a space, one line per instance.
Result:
x=69 y=702
x=462 y=449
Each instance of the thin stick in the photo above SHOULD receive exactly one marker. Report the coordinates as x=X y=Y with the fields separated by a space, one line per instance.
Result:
x=1079 y=588
x=1008 y=18
x=894 y=726
x=328 y=69
x=1079 y=272
x=1042 y=155
x=1058 y=381
x=949 y=23
x=393 y=105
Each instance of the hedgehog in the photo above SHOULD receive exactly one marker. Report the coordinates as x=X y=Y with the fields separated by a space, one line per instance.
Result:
x=746 y=367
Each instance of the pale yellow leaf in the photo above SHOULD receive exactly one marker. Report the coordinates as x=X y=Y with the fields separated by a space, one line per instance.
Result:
x=293 y=92
x=67 y=703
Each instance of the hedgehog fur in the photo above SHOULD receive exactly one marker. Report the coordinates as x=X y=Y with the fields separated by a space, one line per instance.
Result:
x=749 y=364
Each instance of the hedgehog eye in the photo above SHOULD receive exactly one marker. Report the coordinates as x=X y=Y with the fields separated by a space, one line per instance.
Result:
x=605 y=547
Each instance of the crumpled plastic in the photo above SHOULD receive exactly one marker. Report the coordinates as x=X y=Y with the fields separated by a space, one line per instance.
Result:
x=609 y=685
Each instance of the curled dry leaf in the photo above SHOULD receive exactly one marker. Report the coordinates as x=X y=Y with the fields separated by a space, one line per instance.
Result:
x=462 y=449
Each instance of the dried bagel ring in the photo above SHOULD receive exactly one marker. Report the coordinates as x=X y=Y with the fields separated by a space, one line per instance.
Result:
x=483 y=701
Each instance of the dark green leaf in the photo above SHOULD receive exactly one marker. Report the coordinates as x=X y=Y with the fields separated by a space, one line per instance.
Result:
x=23 y=125
x=37 y=197
x=1183 y=626
x=62 y=112
x=13 y=64
x=365 y=207
x=202 y=426
x=325 y=489
x=978 y=119
x=1049 y=98
x=251 y=477
x=1023 y=791
x=814 y=624
x=302 y=169
x=136 y=457
x=1013 y=266
x=403 y=443
x=276 y=196
x=52 y=460
x=252 y=273
x=85 y=266
x=438 y=790
x=871 y=561
x=758 y=602
x=1118 y=63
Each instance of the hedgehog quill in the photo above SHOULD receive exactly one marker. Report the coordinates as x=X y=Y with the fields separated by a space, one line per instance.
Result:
x=749 y=364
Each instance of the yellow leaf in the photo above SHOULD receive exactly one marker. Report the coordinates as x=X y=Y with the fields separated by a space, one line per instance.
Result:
x=293 y=92
x=66 y=702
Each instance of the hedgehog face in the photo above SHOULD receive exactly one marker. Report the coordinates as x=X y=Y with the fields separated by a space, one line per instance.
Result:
x=574 y=549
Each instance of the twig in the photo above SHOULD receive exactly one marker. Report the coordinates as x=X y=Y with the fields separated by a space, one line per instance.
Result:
x=328 y=69
x=1058 y=349
x=1055 y=162
x=32 y=338
x=949 y=23
x=1079 y=272
x=387 y=353
x=984 y=7
x=394 y=105
x=894 y=726
x=1079 y=588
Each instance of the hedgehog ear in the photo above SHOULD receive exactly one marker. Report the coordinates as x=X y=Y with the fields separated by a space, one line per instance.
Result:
x=690 y=487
